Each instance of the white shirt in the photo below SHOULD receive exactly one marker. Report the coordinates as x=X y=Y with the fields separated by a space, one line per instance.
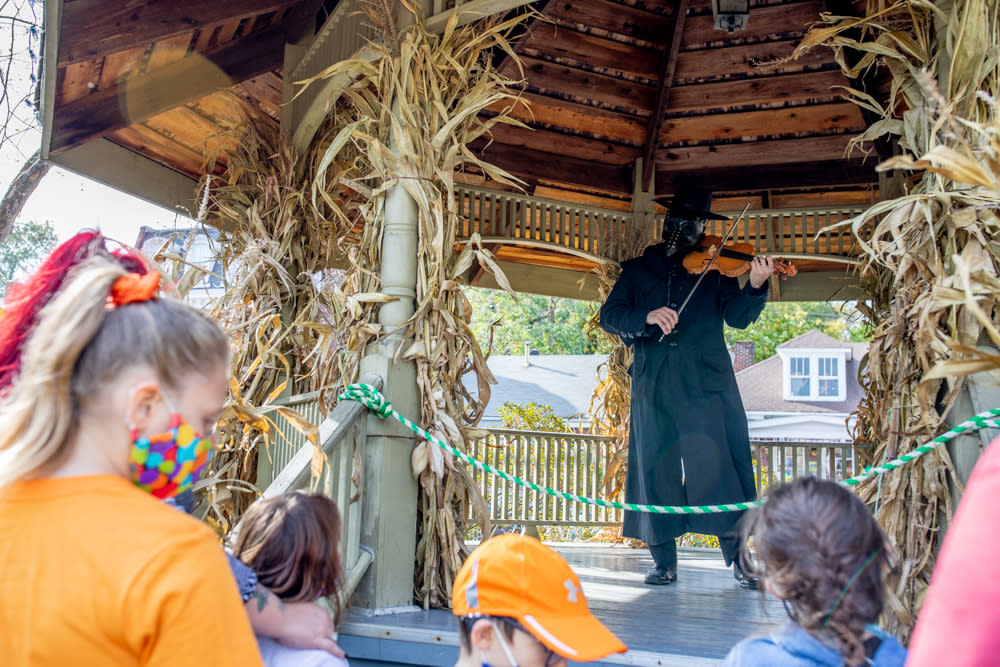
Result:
x=276 y=655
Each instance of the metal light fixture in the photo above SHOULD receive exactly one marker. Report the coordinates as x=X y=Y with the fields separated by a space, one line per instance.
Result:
x=731 y=15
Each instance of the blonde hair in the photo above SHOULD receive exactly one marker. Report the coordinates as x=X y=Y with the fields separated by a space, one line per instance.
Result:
x=292 y=543
x=78 y=346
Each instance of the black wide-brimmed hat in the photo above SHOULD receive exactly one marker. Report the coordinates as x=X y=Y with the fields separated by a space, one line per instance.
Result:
x=693 y=204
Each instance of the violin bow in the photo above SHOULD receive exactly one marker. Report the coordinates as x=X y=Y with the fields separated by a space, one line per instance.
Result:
x=715 y=256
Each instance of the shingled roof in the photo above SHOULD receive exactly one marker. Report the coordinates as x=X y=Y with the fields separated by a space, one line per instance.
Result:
x=761 y=387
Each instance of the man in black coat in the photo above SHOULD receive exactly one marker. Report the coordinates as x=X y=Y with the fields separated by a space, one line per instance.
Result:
x=688 y=440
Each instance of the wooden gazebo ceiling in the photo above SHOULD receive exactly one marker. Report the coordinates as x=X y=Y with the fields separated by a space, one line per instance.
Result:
x=737 y=113
x=172 y=79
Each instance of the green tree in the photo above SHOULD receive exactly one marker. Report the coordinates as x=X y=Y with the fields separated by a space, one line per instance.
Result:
x=785 y=320
x=23 y=248
x=551 y=325
x=532 y=417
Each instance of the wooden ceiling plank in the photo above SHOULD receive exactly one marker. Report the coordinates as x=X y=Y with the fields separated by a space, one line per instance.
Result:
x=825 y=173
x=575 y=146
x=532 y=165
x=613 y=20
x=118 y=67
x=825 y=198
x=147 y=142
x=545 y=112
x=192 y=130
x=78 y=80
x=169 y=51
x=668 y=63
x=772 y=90
x=227 y=32
x=588 y=88
x=751 y=60
x=223 y=108
x=766 y=24
x=569 y=47
x=166 y=88
x=753 y=153
x=799 y=120
x=96 y=28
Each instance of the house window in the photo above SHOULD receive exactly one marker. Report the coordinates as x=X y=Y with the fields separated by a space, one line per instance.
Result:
x=829 y=376
x=798 y=375
x=811 y=377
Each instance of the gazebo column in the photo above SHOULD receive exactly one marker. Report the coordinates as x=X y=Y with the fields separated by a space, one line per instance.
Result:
x=390 y=493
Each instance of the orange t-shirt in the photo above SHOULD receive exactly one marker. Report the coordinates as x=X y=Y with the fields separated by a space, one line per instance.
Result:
x=94 y=571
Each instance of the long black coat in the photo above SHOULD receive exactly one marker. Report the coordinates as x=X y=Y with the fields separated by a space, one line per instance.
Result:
x=688 y=421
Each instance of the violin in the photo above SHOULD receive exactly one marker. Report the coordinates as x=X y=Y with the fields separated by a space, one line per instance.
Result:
x=734 y=259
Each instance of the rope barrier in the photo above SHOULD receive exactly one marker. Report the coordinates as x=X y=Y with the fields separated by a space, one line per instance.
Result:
x=373 y=399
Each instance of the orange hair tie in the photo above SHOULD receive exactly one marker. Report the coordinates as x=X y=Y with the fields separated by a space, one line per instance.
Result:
x=132 y=288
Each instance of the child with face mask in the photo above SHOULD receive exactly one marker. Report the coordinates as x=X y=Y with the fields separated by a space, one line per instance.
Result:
x=292 y=542
x=819 y=551
x=520 y=605
x=109 y=394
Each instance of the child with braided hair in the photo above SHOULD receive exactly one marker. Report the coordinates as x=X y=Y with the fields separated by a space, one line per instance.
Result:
x=819 y=551
x=109 y=393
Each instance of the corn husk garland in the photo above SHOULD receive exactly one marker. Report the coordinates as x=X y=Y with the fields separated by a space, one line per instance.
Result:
x=932 y=255
x=404 y=121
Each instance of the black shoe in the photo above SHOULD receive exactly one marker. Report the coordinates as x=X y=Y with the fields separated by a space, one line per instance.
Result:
x=749 y=583
x=661 y=576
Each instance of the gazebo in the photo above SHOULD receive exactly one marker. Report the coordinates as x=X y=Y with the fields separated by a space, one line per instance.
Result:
x=623 y=103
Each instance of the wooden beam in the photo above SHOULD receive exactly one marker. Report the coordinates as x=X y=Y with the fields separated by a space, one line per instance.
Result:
x=133 y=173
x=95 y=28
x=668 y=63
x=532 y=165
x=753 y=154
x=826 y=173
x=180 y=82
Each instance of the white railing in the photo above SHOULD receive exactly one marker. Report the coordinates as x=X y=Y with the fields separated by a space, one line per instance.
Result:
x=569 y=462
x=340 y=441
x=776 y=462
x=576 y=463
x=572 y=462
x=599 y=234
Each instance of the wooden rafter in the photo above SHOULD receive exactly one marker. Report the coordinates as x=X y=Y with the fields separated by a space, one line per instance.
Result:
x=127 y=24
x=167 y=87
x=668 y=63
x=532 y=165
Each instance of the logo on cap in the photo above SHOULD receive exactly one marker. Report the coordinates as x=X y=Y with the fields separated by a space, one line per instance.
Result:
x=572 y=590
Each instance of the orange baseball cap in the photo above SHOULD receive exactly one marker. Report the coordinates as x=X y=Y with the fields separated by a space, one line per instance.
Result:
x=519 y=577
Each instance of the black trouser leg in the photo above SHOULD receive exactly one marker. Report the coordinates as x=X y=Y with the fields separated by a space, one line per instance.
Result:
x=730 y=545
x=665 y=554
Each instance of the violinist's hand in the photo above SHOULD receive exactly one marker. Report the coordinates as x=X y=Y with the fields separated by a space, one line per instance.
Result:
x=761 y=269
x=665 y=318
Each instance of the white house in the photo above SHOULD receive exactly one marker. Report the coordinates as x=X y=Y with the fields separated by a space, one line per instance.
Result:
x=806 y=392
x=198 y=246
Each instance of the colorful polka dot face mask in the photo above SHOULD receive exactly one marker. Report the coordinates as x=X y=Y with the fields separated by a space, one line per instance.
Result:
x=168 y=464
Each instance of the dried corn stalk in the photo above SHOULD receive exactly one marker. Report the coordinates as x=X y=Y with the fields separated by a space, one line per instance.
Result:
x=931 y=254
x=407 y=120
x=276 y=248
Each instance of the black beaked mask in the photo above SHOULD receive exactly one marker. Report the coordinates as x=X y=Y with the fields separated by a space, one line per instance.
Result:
x=681 y=233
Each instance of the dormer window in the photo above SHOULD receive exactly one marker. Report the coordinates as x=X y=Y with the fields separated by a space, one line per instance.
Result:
x=814 y=374
x=829 y=376
x=798 y=376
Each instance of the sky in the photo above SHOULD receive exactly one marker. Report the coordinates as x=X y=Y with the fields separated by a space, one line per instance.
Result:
x=70 y=202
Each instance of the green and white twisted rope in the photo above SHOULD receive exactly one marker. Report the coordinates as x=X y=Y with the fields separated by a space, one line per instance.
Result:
x=373 y=399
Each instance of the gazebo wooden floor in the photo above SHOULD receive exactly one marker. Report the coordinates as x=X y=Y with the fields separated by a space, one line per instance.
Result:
x=693 y=622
